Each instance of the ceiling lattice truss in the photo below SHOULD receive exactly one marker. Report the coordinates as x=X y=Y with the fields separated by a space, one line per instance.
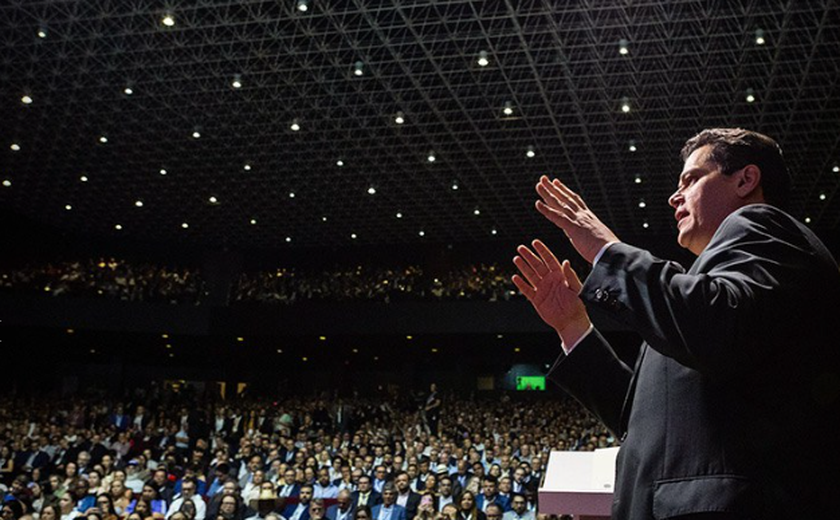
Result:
x=556 y=65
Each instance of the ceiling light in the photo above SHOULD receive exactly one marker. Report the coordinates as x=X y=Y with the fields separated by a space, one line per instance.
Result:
x=26 y=100
x=807 y=220
x=196 y=134
x=247 y=167
x=15 y=147
x=431 y=157
x=168 y=20
x=291 y=194
x=7 y=183
x=359 y=68
x=493 y=232
x=625 y=105
x=42 y=32
x=508 y=109
x=103 y=139
x=353 y=236
x=622 y=47
x=400 y=118
x=371 y=191
x=339 y=163
x=253 y=222
x=645 y=225
x=323 y=219
x=138 y=203
x=530 y=153
x=422 y=233
x=750 y=95
x=128 y=91
x=213 y=200
x=399 y=214
x=455 y=185
x=237 y=81
x=642 y=204
x=83 y=178
x=759 y=37
x=483 y=59
x=476 y=211
x=288 y=239
x=162 y=171
x=638 y=179
x=185 y=225
x=118 y=227
x=836 y=169
x=68 y=207
x=295 y=126
x=303 y=5
x=632 y=145
x=822 y=196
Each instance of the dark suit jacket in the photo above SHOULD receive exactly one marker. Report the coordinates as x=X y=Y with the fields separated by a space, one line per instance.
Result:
x=412 y=504
x=732 y=377
x=504 y=502
x=373 y=500
x=397 y=514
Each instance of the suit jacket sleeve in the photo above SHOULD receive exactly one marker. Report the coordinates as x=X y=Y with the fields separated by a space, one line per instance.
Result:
x=594 y=359
x=713 y=318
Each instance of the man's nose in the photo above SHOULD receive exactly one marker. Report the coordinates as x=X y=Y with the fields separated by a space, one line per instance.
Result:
x=675 y=199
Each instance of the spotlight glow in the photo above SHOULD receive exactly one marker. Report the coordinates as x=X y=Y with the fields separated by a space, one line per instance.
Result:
x=26 y=100
x=400 y=118
x=42 y=33
x=530 y=153
x=288 y=239
x=493 y=232
x=253 y=222
x=295 y=126
x=7 y=183
x=213 y=200
x=162 y=171
x=168 y=20
x=750 y=95
x=476 y=212
x=103 y=139
x=483 y=59
x=339 y=163
x=247 y=167
x=399 y=214
x=422 y=233
x=508 y=109
x=15 y=147
x=128 y=91
x=118 y=227
x=196 y=134
x=353 y=236
x=83 y=178
x=431 y=157
x=138 y=203
x=371 y=191
x=642 y=204
x=184 y=225
x=68 y=207
x=291 y=194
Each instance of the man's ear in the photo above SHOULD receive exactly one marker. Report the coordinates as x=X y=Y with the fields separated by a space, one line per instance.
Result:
x=749 y=182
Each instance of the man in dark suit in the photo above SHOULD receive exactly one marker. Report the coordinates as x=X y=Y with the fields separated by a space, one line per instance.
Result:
x=343 y=508
x=365 y=495
x=388 y=509
x=739 y=362
x=405 y=496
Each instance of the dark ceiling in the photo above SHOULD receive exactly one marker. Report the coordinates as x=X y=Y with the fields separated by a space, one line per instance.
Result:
x=557 y=65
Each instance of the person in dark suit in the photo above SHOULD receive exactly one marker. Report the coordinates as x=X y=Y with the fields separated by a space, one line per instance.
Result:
x=739 y=363
x=490 y=495
x=343 y=508
x=365 y=495
x=406 y=497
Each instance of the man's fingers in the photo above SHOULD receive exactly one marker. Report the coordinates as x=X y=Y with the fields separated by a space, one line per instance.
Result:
x=559 y=219
x=523 y=286
x=526 y=270
x=547 y=256
x=559 y=192
x=553 y=198
x=533 y=260
x=568 y=192
x=571 y=277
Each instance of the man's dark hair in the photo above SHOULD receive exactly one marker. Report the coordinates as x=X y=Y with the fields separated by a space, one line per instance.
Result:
x=735 y=148
x=490 y=478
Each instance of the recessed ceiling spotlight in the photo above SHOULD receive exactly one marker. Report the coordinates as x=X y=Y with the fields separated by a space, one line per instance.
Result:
x=759 y=37
x=431 y=157
x=339 y=163
x=68 y=207
x=128 y=91
x=83 y=178
x=422 y=233
x=324 y=219
x=483 y=59
x=138 y=203
x=196 y=134
x=371 y=191
x=625 y=105
x=303 y=5
x=750 y=95
x=493 y=232
x=42 y=32
x=822 y=196
x=247 y=167
x=623 y=48
x=26 y=99
x=103 y=139
x=399 y=118
x=213 y=200
x=476 y=211
x=184 y=225
x=295 y=126
x=353 y=236
x=237 y=81
x=836 y=169
x=508 y=108
x=253 y=222
x=162 y=171
x=399 y=214
x=291 y=194
x=359 y=68
x=118 y=227
x=642 y=204
x=288 y=239
x=638 y=179
x=645 y=225
x=807 y=220
x=455 y=186
x=168 y=20
x=530 y=153
x=632 y=145
x=15 y=147
x=7 y=183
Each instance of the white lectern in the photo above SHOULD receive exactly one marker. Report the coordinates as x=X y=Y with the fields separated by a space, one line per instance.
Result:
x=579 y=483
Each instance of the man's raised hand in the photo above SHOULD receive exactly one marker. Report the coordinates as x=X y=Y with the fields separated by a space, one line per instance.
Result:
x=567 y=211
x=552 y=288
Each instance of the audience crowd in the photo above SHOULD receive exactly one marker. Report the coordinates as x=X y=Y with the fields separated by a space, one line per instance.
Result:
x=108 y=278
x=179 y=457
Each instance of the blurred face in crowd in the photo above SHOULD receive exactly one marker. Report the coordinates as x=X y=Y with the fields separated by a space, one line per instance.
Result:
x=316 y=511
x=258 y=477
x=324 y=477
x=518 y=504
x=364 y=484
x=187 y=489
x=493 y=512
x=380 y=472
x=445 y=487
x=489 y=488
x=229 y=488
x=228 y=505
x=388 y=496
x=289 y=476
x=401 y=482
x=149 y=493
x=48 y=513
x=305 y=494
x=66 y=504
x=467 y=501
